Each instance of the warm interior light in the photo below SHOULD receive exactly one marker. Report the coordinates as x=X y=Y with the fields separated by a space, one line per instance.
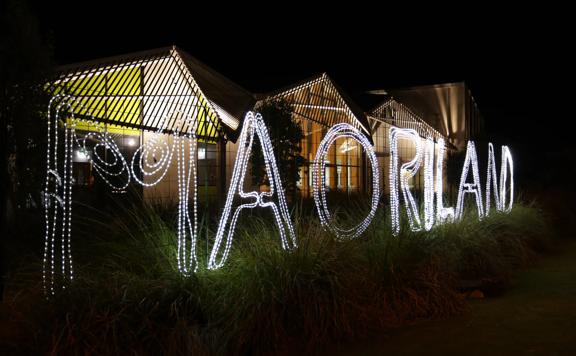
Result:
x=81 y=155
x=347 y=146
x=201 y=153
x=320 y=178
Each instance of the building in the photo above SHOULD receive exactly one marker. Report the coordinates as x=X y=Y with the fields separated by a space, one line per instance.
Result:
x=391 y=113
x=162 y=97
x=450 y=108
x=318 y=104
x=153 y=96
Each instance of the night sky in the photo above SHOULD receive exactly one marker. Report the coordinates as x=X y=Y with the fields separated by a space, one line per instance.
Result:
x=514 y=61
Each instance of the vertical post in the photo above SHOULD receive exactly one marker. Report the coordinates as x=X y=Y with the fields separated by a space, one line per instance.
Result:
x=363 y=173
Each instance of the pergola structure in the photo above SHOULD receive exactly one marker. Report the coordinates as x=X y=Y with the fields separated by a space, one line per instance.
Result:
x=134 y=118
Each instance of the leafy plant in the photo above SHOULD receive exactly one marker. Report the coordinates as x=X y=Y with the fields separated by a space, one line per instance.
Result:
x=129 y=299
x=285 y=136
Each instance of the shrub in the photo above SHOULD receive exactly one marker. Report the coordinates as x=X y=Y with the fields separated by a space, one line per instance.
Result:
x=129 y=299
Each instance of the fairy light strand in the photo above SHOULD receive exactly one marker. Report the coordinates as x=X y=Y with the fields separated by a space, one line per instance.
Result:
x=153 y=160
x=492 y=182
x=253 y=125
x=336 y=132
x=443 y=214
x=58 y=198
x=154 y=157
x=429 y=184
x=407 y=171
x=57 y=195
x=507 y=165
x=469 y=188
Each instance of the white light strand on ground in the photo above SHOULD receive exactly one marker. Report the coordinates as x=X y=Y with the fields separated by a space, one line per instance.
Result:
x=442 y=214
x=347 y=132
x=466 y=188
x=429 y=184
x=407 y=171
x=507 y=164
x=253 y=124
x=492 y=182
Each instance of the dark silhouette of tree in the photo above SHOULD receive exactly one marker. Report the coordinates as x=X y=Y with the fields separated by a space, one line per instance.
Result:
x=285 y=135
x=25 y=59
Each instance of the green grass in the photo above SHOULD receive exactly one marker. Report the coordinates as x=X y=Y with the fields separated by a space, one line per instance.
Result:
x=129 y=299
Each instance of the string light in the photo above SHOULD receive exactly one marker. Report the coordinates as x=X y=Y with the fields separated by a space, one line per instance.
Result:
x=253 y=124
x=429 y=184
x=187 y=260
x=442 y=214
x=345 y=131
x=466 y=188
x=104 y=168
x=58 y=184
x=407 y=171
x=57 y=199
x=153 y=158
x=507 y=164
x=492 y=182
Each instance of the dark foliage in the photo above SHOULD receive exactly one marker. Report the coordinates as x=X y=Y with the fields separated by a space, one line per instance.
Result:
x=285 y=134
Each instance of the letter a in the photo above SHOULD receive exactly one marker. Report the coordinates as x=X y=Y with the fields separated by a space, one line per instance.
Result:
x=253 y=124
x=474 y=187
x=492 y=182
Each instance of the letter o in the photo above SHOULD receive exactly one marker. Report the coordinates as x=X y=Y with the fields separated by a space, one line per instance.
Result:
x=318 y=180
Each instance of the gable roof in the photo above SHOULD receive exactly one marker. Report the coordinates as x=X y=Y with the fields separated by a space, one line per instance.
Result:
x=230 y=100
x=321 y=100
x=397 y=114
x=168 y=80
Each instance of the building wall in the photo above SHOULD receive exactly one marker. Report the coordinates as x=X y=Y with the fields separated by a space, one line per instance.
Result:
x=205 y=161
x=450 y=108
x=166 y=190
x=343 y=160
x=342 y=172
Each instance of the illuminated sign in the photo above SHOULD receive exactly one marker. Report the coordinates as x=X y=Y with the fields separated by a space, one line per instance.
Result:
x=253 y=125
x=152 y=160
x=344 y=131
